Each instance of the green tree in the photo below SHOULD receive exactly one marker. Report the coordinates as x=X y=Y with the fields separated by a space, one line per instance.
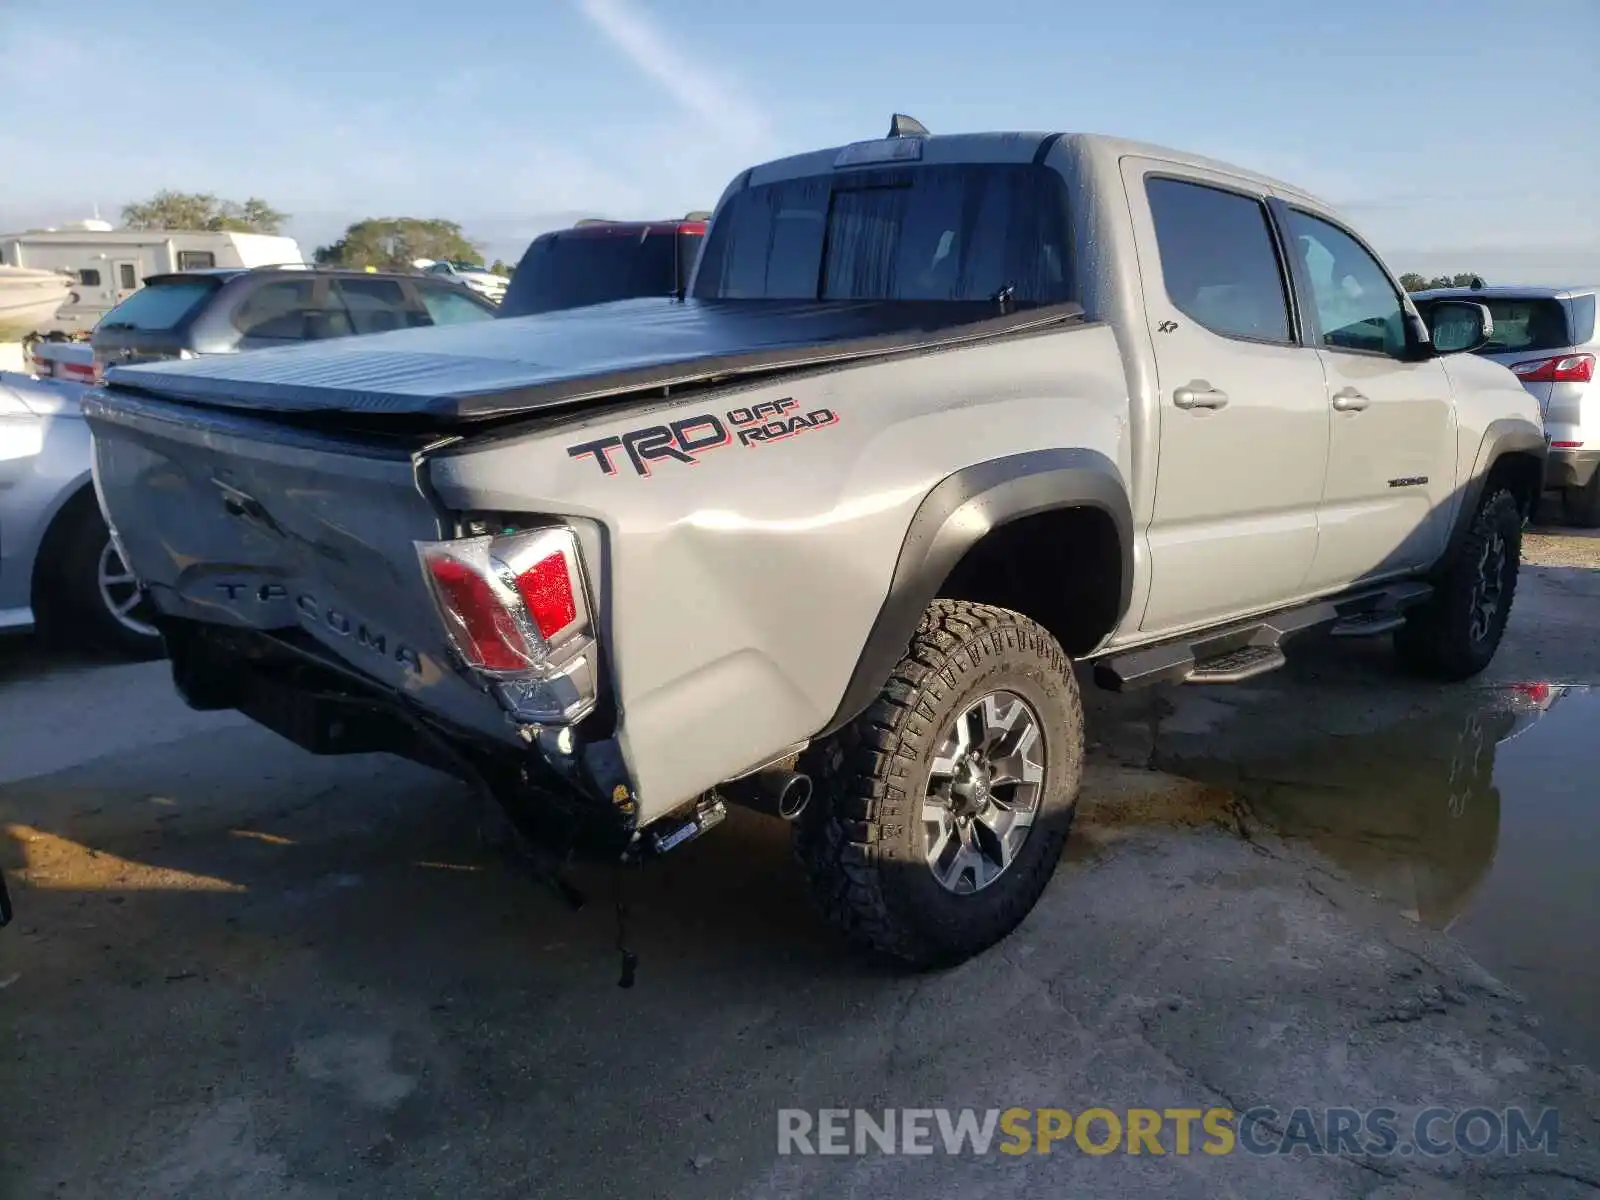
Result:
x=1412 y=282
x=203 y=211
x=394 y=243
x=501 y=267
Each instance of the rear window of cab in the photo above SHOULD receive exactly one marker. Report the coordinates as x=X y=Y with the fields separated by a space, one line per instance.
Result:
x=961 y=232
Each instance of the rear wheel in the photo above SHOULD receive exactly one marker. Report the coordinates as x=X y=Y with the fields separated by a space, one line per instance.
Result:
x=98 y=600
x=941 y=811
x=1456 y=633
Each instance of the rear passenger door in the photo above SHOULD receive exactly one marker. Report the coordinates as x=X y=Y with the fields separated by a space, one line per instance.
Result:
x=379 y=305
x=1243 y=406
x=1392 y=448
x=282 y=312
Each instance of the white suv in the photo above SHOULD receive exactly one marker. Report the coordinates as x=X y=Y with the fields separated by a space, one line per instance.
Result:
x=1550 y=340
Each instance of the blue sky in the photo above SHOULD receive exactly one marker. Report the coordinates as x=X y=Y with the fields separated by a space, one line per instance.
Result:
x=1456 y=135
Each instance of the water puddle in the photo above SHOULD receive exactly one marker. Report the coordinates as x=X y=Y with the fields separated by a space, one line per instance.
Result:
x=1483 y=821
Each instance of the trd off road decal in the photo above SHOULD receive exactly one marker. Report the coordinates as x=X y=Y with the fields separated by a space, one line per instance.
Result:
x=686 y=440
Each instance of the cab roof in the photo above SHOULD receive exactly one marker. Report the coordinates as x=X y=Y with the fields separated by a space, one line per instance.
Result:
x=1508 y=291
x=1023 y=147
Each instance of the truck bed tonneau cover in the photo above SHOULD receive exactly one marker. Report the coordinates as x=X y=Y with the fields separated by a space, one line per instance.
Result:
x=482 y=370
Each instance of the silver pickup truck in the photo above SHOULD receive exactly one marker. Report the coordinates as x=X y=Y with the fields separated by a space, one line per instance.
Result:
x=938 y=418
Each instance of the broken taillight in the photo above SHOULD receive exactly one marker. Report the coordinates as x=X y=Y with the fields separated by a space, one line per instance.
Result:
x=482 y=629
x=515 y=610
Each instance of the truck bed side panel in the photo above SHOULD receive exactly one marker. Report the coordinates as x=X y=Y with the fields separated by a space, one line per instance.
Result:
x=743 y=586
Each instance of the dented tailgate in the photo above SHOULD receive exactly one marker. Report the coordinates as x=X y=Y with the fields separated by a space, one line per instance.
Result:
x=233 y=521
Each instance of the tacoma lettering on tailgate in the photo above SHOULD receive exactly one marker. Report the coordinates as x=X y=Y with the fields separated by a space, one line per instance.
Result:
x=339 y=623
x=684 y=441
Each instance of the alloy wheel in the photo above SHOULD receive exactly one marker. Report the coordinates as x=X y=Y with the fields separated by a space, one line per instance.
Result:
x=983 y=792
x=120 y=593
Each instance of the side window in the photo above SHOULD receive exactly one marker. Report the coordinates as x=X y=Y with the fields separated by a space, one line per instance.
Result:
x=89 y=277
x=287 y=311
x=1357 y=306
x=128 y=278
x=1219 y=261
x=375 y=305
x=448 y=307
x=196 y=260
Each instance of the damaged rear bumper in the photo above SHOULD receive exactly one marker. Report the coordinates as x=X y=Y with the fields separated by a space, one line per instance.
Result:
x=563 y=785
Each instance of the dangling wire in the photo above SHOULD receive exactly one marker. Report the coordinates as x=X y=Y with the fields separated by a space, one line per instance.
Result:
x=630 y=960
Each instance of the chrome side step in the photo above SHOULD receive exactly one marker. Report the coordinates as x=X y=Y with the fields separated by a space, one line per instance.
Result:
x=1251 y=648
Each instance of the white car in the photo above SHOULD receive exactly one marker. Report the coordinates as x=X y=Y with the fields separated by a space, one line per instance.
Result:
x=60 y=569
x=1550 y=338
x=473 y=275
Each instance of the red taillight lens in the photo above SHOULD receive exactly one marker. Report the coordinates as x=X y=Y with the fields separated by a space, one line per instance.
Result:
x=515 y=609
x=509 y=601
x=546 y=588
x=1571 y=368
x=481 y=627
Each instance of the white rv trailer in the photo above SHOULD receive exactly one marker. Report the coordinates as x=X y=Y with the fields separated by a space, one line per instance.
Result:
x=109 y=265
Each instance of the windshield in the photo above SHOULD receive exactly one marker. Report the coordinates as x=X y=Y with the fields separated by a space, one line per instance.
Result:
x=957 y=232
x=159 y=306
x=594 y=265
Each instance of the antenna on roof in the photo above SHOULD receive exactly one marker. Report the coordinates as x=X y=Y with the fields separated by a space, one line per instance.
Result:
x=901 y=125
x=1477 y=283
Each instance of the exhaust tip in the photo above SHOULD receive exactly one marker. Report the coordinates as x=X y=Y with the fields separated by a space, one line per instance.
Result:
x=794 y=797
x=783 y=794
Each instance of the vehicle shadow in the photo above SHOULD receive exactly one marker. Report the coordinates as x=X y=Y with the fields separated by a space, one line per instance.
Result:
x=226 y=917
x=174 y=840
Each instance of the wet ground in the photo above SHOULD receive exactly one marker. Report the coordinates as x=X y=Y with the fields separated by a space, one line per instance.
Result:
x=1481 y=819
x=243 y=973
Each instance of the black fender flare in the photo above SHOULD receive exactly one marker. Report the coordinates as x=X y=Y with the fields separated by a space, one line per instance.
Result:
x=1506 y=435
x=953 y=517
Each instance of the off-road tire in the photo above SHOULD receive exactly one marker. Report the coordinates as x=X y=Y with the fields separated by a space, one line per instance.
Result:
x=81 y=616
x=861 y=842
x=1581 y=506
x=1437 y=639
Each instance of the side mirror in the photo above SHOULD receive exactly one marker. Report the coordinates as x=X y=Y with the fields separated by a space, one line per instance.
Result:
x=1457 y=326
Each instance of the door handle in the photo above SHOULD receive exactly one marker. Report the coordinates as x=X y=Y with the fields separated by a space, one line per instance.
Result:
x=1199 y=394
x=1349 y=400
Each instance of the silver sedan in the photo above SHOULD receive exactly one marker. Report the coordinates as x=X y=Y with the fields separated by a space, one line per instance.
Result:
x=59 y=570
